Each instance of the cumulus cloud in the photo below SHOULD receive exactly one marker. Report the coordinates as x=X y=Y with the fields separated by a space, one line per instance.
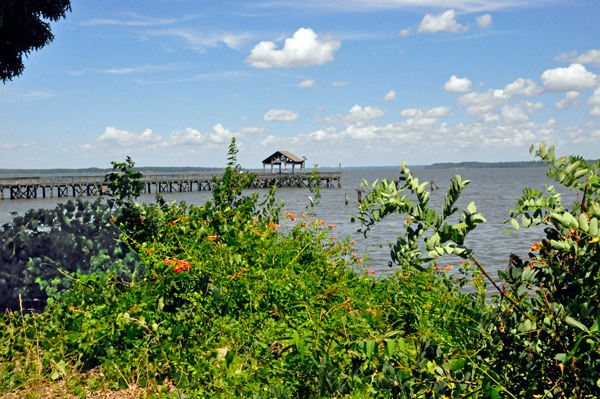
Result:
x=339 y=84
x=405 y=32
x=302 y=50
x=418 y=124
x=483 y=103
x=594 y=99
x=444 y=22
x=591 y=57
x=390 y=97
x=484 y=21
x=251 y=130
x=595 y=111
x=281 y=115
x=125 y=138
x=512 y=115
x=457 y=85
x=523 y=87
x=307 y=83
x=355 y=115
x=573 y=78
x=569 y=100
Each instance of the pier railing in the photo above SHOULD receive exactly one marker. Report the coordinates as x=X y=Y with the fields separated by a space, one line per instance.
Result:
x=89 y=185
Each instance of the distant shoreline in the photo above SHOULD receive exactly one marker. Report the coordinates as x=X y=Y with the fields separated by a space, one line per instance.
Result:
x=194 y=169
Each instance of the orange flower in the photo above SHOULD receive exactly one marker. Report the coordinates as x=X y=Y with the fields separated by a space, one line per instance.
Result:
x=293 y=216
x=536 y=246
x=154 y=276
x=72 y=308
x=258 y=234
x=331 y=226
x=238 y=274
x=132 y=309
x=212 y=238
x=316 y=165
x=448 y=267
x=407 y=219
x=352 y=242
x=180 y=265
x=360 y=261
x=142 y=219
x=333 y=238
x=322 y=222
x=370 y=272
x=371 y=311
x=303 y=215
x=149 y=251
x=113 y=219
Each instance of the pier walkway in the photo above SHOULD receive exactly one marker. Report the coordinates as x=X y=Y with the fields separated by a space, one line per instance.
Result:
x=77 y=186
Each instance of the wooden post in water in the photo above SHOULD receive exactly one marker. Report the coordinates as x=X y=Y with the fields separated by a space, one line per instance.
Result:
x=346 y=198
x=360 y=191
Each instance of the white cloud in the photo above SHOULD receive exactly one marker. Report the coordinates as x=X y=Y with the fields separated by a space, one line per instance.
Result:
x=307 y=83
x=390 y=97
x=595 y=111
x=219 y=135
x=457 y=85
x=355 y=115
x=302 y=50
x=483 y=103
x=281 y=115
x=141 y=69
x=136 y=21
x=591 y=57
x=12 y=146
x=523 y=87
x=573 y=78
x=200 y=41
x=565 y=56
x=251 y=130
x=7 y=96
x=568 y=101
x=405 y=32
x=484 y=21
x=444 y=22
x=594 y=99
x=512 y=115
x=186 y=136
x=339 y=84
x=124 y=138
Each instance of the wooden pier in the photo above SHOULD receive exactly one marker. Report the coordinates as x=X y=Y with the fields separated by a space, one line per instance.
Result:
x=78 y=186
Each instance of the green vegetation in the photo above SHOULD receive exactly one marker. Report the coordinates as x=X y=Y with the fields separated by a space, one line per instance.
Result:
x=230 y=305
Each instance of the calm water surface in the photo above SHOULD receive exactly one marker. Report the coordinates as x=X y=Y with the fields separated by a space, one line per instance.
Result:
x=493 y=190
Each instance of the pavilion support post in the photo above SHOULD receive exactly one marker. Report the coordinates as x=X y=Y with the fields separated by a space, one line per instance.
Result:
x=272 y=167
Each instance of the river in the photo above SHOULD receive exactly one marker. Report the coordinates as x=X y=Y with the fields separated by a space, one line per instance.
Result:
x=493 y=191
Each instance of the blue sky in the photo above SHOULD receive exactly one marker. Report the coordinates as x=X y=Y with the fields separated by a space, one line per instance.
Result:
x=361 y=82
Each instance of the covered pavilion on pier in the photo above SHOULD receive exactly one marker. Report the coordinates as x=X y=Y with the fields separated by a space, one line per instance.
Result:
x=285 y=158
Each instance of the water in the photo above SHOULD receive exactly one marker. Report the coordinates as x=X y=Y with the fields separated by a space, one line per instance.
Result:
x=493 y=191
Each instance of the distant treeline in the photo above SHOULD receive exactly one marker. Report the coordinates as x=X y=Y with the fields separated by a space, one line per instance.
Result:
x=99 y=171
x=486 y=165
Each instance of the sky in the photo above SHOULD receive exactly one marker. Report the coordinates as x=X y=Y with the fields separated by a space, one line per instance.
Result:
x=356 y=82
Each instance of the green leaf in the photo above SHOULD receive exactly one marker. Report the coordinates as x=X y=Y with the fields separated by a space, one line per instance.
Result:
x=459 y=364
x=515 y=224
x=507 y=231
x=299 y=343
x=593 y=229
x=574 y=323
x=472 y=208
x=583 y=222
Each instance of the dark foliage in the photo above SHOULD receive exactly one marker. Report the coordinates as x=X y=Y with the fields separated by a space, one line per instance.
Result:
x=25 y=26
x=75 y=237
